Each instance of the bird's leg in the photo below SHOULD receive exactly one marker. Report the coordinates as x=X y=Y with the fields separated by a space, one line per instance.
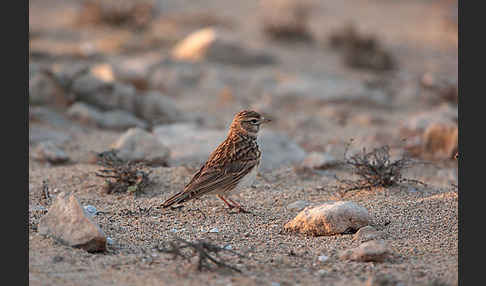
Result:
x=226 y=202
x=238 y=206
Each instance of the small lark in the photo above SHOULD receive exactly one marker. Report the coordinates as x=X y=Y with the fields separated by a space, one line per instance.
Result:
x=231 y=167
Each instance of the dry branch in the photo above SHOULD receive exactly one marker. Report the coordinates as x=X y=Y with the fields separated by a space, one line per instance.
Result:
x=206 y=252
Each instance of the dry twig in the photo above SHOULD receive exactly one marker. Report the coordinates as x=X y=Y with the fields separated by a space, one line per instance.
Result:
x=45 y=196
x=207 y=253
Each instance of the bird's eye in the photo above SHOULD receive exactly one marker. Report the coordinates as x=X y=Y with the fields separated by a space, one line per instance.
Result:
x=254 y=121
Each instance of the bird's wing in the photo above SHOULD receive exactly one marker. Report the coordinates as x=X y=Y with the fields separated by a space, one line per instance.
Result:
x=223 y=177
x=226 y=166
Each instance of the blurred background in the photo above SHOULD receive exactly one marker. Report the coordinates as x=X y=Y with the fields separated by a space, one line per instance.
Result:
x=378 y=72
x=160 y=81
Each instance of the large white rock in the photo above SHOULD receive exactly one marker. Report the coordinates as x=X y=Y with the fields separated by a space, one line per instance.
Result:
x=329 y=218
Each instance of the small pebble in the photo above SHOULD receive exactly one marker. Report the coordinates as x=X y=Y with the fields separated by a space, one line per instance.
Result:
x=322 y=272
x=412 y=190
x=275 y=284
x=297 y=205
x=38 y=208
x=228 y=247
x=214 y=230
x=109 y=240
x=90 y=210
x=323 y=258
x=173 y=230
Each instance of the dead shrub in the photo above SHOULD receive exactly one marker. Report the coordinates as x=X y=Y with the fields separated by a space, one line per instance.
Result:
x=376 y=169
x=287 y=20
x=124 y=13
x=121 y=176
x=207 y=253
x=361 y=51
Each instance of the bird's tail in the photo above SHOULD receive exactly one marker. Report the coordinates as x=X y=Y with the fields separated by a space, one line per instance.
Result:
x=175 y=199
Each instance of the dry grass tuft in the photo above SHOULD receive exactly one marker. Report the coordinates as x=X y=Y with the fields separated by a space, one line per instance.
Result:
x=287 y=20
x=361 y=51
x=376 y=169
x=120 y=13
x=122 y=176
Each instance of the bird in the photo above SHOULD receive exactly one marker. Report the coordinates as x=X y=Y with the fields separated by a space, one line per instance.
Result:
x=231 y=167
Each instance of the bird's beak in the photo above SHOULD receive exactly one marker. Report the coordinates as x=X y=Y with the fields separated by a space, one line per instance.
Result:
x=265 y=120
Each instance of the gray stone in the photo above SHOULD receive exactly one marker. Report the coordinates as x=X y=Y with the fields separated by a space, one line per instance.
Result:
x=39 y=134
x=318 y=160
x=278 y=150
x=65 y=74
x=328 y=88
x=120 y=120
x=158 y=108
x=90 y=210
x=113 y=119
x=37 y=208
x=104 y=95
x=312 y=88
x=44 y=114
x=374 y=250
x=173 y=77
x=85 y=113
x=44 y=89
x=67 y=222
x=187 y=142
x=298 y=205
x=139 y=145
x=48 y=151
x=136 y=70
x=367 y=233
x=191 y=144
x=329 y=218
x=90 y=89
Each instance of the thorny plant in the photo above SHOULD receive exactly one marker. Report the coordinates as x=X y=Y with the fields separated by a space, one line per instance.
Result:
x=44 y=201
x=45 y=195
x=122 y=176
x=207 y=253
x=375 y=169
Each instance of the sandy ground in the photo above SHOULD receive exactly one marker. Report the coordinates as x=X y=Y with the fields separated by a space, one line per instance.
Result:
x=420 y=222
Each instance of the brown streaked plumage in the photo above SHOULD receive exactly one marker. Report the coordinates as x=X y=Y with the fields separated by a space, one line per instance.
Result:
x=231 y=166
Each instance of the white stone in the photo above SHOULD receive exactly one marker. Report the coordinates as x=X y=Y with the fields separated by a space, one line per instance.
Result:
x=329 y=218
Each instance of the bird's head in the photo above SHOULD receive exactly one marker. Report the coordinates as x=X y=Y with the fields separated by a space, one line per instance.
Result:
x=247 y=122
